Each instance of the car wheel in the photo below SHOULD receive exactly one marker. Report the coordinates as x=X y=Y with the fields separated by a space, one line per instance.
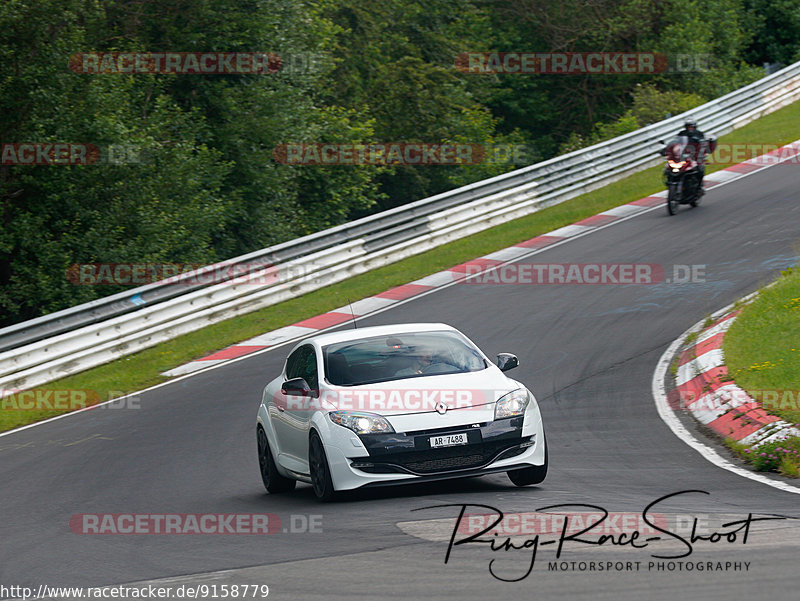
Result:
x=273 y=481
x=320 y=471
x=530 y=475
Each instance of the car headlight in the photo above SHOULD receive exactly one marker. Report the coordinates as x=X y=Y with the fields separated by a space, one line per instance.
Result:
x=361 y=422
x=512 y=404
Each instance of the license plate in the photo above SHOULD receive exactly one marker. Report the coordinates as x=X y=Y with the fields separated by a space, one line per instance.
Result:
x=448 y=440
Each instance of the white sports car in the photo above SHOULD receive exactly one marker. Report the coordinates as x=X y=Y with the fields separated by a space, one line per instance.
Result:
x=396 y=404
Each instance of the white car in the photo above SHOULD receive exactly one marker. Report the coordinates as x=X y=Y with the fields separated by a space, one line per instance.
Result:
x=396 y=404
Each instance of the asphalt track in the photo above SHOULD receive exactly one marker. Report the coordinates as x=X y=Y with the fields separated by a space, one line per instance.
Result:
x=587 y=351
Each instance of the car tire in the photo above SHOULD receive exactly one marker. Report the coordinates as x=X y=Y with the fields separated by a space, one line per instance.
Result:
x=530 y=475
x=273 y=481
x=321 y=480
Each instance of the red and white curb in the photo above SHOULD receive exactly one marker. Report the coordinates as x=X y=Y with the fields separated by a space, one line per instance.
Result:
x=668 y=403
x=381 y=301
x=705 y=389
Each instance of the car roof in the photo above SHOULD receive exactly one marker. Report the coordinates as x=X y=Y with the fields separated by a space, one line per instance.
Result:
x=369 y=332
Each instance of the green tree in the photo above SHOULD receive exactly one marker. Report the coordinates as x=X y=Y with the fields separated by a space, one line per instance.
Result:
x=775 y=26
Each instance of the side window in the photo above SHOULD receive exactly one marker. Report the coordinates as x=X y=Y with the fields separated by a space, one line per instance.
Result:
x=308 y=367
x=303 y=364
x=293 y=363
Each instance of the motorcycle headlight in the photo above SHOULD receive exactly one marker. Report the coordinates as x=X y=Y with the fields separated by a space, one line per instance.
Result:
x=675 y=164
x=512 y=404
x=361 y=422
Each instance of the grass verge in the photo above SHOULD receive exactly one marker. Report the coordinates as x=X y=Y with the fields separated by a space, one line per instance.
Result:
x=762 y=351
x=143 y=369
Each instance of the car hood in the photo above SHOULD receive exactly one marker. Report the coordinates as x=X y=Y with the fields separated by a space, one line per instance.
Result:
x=472 y=392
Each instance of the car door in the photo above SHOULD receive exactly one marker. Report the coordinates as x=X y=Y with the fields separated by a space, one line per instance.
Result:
x=293 y=420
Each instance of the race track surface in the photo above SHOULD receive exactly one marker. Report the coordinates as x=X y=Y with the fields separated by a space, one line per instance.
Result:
x=588 y=353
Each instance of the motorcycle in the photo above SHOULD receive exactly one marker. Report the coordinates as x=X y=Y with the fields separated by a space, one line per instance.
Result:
x=683 y=172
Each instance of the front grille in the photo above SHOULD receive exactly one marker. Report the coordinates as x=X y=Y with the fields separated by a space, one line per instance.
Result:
x=427 y=466
x=430 y=461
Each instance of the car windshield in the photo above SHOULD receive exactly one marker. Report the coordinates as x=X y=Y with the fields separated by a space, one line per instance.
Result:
x=395 y=357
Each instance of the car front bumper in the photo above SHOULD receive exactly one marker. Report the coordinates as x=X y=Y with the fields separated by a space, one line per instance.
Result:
x=495 y=446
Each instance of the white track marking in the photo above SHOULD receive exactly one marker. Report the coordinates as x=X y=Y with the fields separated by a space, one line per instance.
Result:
x=506 y=254
x=570 y=231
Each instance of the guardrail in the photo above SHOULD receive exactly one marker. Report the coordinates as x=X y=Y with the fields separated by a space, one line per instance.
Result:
x=69 y=341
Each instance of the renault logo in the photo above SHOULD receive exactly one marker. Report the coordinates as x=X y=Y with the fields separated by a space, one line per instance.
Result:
x=441 y=408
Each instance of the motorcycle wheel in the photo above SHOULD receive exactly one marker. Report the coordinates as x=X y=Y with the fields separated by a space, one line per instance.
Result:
x=672 y=200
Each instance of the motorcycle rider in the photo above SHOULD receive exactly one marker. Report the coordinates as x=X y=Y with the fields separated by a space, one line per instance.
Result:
x=698 y=142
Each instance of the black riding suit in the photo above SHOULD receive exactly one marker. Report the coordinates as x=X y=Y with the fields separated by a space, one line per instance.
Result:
x=698 y=141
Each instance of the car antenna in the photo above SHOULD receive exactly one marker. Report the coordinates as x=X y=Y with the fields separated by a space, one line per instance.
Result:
x=355 y=326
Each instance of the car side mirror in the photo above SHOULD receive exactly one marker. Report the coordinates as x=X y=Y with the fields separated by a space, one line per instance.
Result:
x=296 y=386
x=506 y=361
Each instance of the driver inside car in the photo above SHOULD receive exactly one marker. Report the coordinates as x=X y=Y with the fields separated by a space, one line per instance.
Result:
x=425 y=362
